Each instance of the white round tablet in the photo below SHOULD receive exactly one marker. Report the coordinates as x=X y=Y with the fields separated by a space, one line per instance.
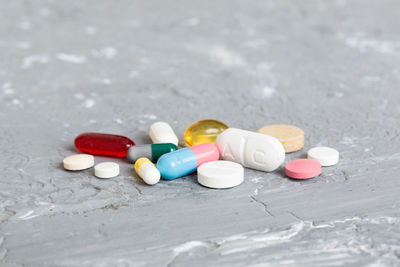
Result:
x=106 y=170
x=78 y=162
x=220 y=174
x=327 y=156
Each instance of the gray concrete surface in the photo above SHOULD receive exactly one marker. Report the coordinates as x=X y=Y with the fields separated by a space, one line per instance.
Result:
x=329 y=67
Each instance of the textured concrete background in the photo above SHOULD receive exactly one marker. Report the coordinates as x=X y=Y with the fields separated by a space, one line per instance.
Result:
x=329 y=67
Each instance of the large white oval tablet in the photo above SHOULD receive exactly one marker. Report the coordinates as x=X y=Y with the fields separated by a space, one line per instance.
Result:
x=78 y=162
x=252 y=150
x=327 y=156
x=106 y=170
x=220 y=174
x=162 y=132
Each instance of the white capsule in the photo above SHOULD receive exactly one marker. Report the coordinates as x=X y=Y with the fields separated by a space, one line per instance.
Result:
x=147 y=171
x=162 y=132
x=252 y=150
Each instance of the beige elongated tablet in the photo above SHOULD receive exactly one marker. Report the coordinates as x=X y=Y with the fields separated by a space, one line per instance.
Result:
x=106 y=170
x=78 y=162
x=162 y=132
x=327 y=156
x=291 y=137
x=220 y=174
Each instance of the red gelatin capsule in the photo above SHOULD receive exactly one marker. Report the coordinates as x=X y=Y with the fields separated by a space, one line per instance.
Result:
x=104 y=144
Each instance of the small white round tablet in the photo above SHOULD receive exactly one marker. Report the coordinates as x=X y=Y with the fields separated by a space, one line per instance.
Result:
x=327 y=156
x=106 y=170
x=220 y=174
x=78 y=162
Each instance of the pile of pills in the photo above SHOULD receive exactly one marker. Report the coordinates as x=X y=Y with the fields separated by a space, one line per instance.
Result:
x=216 y=151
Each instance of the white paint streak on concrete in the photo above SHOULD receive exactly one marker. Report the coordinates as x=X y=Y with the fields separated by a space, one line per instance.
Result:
x=150 y=116
x=7 y=89
x=268 y=91
x=90 y=30
x=79 y=96
x=226 y=57
x=25 y=25
x=29 y=61
x=185 y=247
x=338 y=94
x=349 y=141
x=118 y=120
x=345 y=239
x=191 y=22
x=71 y=58
x=364 y=44
x=28 y=215
x=3 y=250
x=107 y=81
x=133 y=74
x=16 y=102
x=24 y=44
x=371 y=79
x=89 y=103
x=45 y=12
x=108 y=52
x=263 y=240
x=257 y=43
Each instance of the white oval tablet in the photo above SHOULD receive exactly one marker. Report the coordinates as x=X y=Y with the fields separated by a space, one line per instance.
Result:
x=220 y=174
x=162 y=132
x=78 y=162
x=327 y=156
x=253 y=150
x=106 y=170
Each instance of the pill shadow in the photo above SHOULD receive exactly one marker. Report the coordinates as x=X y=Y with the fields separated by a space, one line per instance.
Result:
x=282 y=173
x=296 y=155
x=303 y=155
x=136 y=180
x=60 y=166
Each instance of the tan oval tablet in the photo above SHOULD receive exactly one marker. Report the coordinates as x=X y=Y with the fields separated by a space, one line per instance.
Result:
x=78 y=162
x=291 y=137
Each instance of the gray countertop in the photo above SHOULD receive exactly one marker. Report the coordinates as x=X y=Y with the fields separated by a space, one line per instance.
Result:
x=329 y=67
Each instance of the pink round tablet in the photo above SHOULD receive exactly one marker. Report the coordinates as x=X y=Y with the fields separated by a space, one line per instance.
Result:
x=303 y=168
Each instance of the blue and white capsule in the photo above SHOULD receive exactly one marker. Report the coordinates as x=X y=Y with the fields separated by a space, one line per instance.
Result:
x=185 y=161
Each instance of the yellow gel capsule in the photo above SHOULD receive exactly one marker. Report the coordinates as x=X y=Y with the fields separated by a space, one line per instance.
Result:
x=204 y=131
